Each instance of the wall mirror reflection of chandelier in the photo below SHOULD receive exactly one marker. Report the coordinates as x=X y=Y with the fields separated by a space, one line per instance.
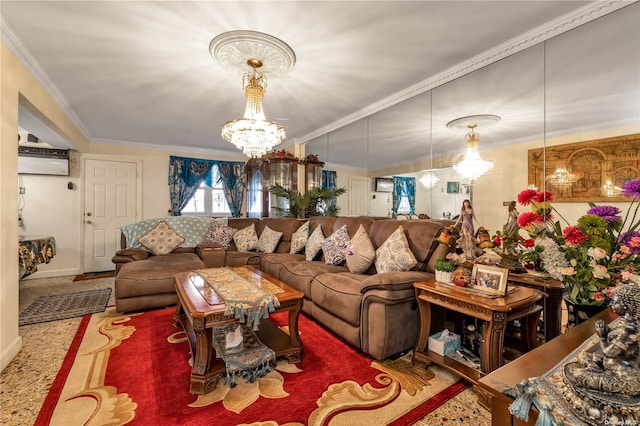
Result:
x=561 y=178
x=473 y=165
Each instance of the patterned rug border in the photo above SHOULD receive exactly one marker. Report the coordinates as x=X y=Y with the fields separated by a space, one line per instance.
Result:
x=63 y=306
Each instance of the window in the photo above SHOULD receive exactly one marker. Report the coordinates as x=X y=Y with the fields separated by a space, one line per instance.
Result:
x=208 y=201
x=404 y=206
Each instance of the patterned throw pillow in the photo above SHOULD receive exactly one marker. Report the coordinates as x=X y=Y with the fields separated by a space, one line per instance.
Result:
x=299 y=238
x=246 y=239
x=394 y=255
x=314 y=243
x=360 y=252
x=335 y=246
x=134 y=231
x=161 y=239
x=193 y=229
x=268 y=240
x=220 y=234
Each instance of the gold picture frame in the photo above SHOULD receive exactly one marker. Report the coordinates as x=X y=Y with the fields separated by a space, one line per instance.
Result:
x=595 y=170
x=490 y=279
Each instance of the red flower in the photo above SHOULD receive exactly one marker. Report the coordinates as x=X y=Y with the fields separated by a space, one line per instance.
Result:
x=525 y=197
x=573 y=235
x=527 y=218
x=529 y=243
x=497 y=241
x=543 y=196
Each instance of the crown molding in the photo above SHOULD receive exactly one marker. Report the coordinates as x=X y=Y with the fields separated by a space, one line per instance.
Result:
x=548 y=30
x=14 y=44
x=173 y=148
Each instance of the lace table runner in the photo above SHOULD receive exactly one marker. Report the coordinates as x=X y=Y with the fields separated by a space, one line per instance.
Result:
x=239 y=291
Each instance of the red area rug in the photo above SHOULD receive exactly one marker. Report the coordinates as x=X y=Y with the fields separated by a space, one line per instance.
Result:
x=135 y=369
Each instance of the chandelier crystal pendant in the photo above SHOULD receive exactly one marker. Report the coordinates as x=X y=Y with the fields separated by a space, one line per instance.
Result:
x=253 y=133
x=561 y=178
x=473 y=166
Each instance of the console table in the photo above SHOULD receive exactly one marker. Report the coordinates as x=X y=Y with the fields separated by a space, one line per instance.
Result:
x=523 y=304
x=552 y=306
x=533 y=364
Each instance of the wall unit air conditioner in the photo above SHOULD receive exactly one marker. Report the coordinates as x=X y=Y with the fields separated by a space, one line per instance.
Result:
x=43 y=161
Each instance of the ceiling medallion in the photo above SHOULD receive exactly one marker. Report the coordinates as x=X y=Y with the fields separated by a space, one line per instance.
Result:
x=233 y=49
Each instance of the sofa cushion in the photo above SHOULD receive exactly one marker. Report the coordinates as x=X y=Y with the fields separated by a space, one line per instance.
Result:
x=394 y=254
x=360 y=252
x=272 y=263
x=161 y=239
x=340 y=294
x=220 y=234
x=335 y=246
x=268 y=240
x=299 y=238
x=300 y=274
x=246 y=239
x=314 y=243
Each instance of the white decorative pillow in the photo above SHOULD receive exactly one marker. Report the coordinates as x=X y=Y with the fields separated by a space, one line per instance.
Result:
x=161 y=239
x=360 y=252
x=314 y=243
x=268 y=240
x=335 y=246
x=394 y=255
x=246 y=239
x=220 y=234
x=299 y=238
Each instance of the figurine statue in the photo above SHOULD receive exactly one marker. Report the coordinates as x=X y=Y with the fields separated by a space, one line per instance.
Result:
x=467 y=243
x=511 y=228
x=604 y=383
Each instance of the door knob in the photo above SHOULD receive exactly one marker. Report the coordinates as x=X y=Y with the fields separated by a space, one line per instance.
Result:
x=88 y=213
x=88 y=222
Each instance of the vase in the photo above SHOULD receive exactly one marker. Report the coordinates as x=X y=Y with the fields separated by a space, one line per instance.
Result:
x=444 y=277
x=577 y=314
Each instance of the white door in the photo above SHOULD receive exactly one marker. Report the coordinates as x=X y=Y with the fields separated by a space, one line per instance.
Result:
x=358 y=196
x=110 y=199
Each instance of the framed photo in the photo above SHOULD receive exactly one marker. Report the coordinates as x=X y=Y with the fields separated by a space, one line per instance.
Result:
x=490 y=279
x=464 y=188
x=452 y=187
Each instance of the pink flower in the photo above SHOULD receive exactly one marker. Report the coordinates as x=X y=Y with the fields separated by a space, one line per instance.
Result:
x=529 y=218
x=568 y=271
x=573 y=235
x=598 y=296
x=525 y=197
x=600 y=272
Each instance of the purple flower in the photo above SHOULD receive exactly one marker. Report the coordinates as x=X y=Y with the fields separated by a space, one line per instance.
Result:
x=608 y=213
x=631 y=188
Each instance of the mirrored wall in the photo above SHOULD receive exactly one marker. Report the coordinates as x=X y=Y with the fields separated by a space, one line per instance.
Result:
x=579 y=86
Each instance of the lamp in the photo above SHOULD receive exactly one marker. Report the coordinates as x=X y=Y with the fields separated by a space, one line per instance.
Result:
x=253 y=133
x=429 y=180
x=265 y=54
x=561 y=178
x=473 y=166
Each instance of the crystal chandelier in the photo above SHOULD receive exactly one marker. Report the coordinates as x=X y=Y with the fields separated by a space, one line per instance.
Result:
x=610 y=190
x=253 y=133
x=429 y=180
x=473 y=166
x=561 y=178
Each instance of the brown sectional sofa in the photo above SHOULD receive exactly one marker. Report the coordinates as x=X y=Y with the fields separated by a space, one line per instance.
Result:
x=376 y=312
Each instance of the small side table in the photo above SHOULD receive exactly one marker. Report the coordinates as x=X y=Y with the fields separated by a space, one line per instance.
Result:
x=524 y=304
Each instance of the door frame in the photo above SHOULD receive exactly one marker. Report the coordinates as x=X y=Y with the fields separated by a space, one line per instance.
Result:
x=106 y=157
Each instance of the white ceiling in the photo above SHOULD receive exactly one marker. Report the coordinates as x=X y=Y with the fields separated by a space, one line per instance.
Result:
x=140 y=72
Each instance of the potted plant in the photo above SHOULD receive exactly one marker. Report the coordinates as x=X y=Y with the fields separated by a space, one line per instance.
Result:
x=312 y=203
x=444 y=270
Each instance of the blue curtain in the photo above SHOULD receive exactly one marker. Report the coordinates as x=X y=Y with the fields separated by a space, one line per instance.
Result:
x=234 y=183
x=404 y=186
x=186 y=174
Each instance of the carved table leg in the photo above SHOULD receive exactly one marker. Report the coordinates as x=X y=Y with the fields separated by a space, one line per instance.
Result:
x=494 y=342
x=204 y=347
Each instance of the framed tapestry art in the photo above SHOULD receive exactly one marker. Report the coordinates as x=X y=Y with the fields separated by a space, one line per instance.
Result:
x=586 y=171
x=452 y=187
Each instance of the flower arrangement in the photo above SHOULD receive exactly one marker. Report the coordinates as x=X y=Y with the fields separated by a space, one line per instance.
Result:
x=591 y=257
x=311 y=158
x=283 y=153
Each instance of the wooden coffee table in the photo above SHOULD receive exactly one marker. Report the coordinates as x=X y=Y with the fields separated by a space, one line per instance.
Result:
x=199 y=310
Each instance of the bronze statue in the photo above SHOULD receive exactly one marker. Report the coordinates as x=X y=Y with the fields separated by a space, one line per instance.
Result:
x=603 y=385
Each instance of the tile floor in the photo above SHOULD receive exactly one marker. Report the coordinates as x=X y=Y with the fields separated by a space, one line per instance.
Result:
x=25 y=382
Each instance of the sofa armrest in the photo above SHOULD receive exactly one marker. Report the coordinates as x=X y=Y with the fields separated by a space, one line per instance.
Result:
x=128 y=255
x=393 y=280
x=212 y=254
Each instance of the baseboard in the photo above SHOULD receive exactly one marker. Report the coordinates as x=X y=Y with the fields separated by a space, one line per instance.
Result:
x=54 y=273
x=10 y=352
